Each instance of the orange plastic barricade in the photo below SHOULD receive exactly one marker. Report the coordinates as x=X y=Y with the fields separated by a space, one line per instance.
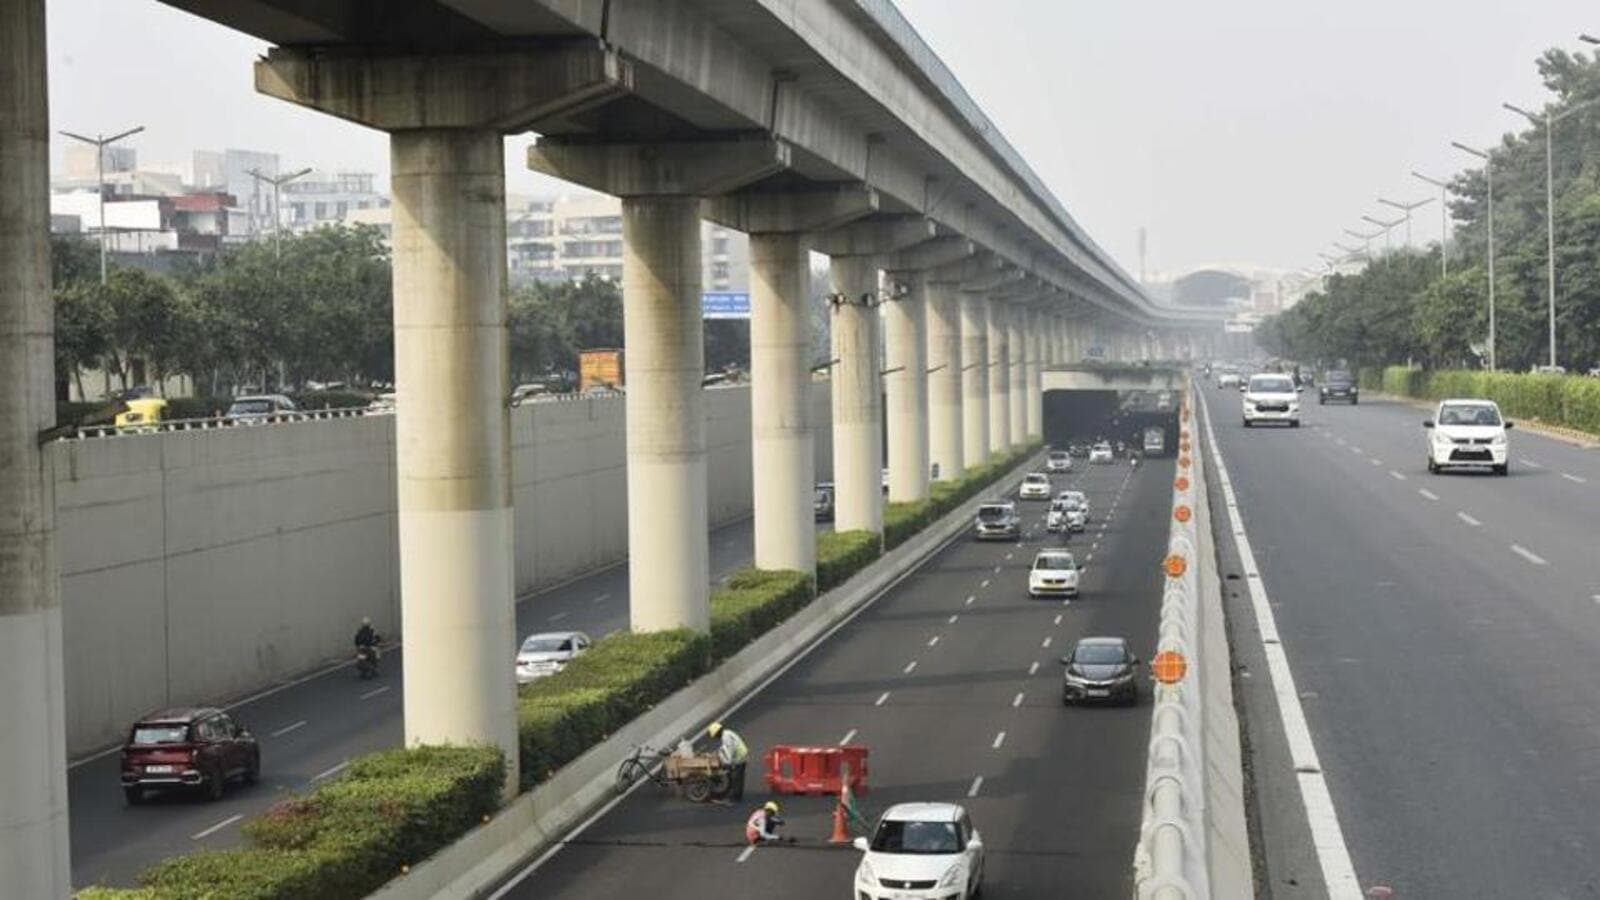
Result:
x=815 y=770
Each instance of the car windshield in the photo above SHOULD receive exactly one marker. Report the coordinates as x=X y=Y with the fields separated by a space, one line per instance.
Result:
x=1058 y=455
x=249 y=407
x=821 y=496
x=1275 y=384
x=916 y=837
x=993 y=513
x=1098 y=654
x=1339 y=378
x=1037 y=479
x=160 y=734
x=1054 y=561
x=538 y=644
x=1468 y=414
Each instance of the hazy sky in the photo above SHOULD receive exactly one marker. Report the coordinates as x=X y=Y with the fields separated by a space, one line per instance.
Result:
x=1247 y=131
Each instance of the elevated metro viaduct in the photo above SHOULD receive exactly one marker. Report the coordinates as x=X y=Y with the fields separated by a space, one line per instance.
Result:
x=825 y=126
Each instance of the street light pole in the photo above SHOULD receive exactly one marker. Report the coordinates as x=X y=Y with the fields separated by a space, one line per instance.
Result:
x=1386 y=226
x=100 y=142
x=1406 y=208
x=1488 y=174
x=1444 y=222
x=277 y=181
x=1364 y=237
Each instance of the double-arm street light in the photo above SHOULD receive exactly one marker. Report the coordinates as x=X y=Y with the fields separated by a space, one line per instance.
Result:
x=1364 y=237
x=1444 y=221
x=1386 y=226
x=1406 y=208
x=99 y=143
x=1549 y=121
x=1488 y=174
x=277 y=181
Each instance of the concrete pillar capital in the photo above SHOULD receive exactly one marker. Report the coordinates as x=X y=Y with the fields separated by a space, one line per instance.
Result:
x=505 y=89
x=663 y=169
x=785 y=212
x=876 y=237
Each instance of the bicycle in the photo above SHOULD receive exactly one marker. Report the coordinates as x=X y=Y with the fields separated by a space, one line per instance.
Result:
x=644 y=763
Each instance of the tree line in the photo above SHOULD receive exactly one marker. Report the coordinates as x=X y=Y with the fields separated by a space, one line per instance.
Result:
x=1399 y=308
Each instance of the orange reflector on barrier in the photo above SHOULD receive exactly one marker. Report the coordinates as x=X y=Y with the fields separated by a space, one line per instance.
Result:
x=1182 y=483
x=1183 y=461
x=1182 y=513
x=1175 y=566
x=1169 y=667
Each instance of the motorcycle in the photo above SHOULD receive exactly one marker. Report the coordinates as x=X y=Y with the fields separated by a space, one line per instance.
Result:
x=367 y=662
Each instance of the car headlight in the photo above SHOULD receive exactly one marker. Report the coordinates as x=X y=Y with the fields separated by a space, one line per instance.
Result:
x=1442 y=440
x=1294 y=407
x=953 y=876
x=864 y=873
x=1499 y=440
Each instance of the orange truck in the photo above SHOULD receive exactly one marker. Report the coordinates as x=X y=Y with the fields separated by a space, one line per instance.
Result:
x=601 y=368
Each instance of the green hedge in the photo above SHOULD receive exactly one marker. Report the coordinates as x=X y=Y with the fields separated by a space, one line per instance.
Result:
x=752 y=603
x=1569 y=400
x=841 y=554
x=390 y=810
x=902 y=520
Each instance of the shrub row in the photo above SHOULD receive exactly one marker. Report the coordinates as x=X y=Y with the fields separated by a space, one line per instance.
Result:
x=390 y=810
x=841 y=554
x=1569 y=400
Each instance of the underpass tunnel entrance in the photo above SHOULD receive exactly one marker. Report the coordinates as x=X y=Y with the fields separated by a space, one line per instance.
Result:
x=1146 y=420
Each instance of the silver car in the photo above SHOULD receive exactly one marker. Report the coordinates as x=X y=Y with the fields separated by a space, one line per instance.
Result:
x=998 y=521
x=543 y=655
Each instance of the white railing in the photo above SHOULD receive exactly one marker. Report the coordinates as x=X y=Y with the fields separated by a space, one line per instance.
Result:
x=1170 y=858
x=82 y=432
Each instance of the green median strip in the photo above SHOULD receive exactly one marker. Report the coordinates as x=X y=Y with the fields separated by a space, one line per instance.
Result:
x=1570 y=401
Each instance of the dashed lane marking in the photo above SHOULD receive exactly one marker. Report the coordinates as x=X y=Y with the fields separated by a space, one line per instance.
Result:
x=933 y=641
x=1427 y=493
x=970 y=599
x=375 y=692
x=601 y=598
x=329 y=773
x=1468 y=519
x=977 y=784
x=1058 y=618
x=202 y=835
x=557 y=617
x=984 y=583
x=1529 y=463
x=998 y=740
x=1046 y=643
x=910 y=666
x=1017 y=700
x=745 y=853
x=847 y=736
x=288 y=728
x=1527 y=554
x=882 y=699
x=1396 y=475
x=1033 y=669
x=953 y=619
x=1575 y=479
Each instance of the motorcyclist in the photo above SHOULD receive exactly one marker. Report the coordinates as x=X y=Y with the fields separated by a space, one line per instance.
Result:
x=366 y=642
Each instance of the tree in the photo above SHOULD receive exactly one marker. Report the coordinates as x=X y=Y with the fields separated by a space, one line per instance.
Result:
x=83 y=328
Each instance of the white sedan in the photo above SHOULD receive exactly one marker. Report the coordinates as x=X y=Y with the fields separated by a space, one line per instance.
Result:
x=1101 y=454
x=542 y=655
x=1054 y=574
x=921 y=851
x=1035 y=486
x=1058 y=461
x=1077 y=497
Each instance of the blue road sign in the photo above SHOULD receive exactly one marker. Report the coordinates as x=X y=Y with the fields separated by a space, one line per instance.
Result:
x=725 y=305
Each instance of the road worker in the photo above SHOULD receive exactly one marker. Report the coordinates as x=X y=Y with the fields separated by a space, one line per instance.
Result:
x=733 y=753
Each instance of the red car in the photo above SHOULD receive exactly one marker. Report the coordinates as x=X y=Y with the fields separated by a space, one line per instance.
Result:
x=198 y=747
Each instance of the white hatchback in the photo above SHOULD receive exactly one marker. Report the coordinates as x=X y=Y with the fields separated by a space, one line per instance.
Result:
x=1468 y=433
x=1054 y=574
x=920 y=851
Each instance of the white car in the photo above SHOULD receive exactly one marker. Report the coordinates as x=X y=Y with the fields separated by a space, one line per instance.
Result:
x=543 y=655
x=1101 y=454
x=1078 y=497
x=1058 y=461
x=1054 y=574
x=1035 y=486
x=1055 y=521
x=1077 y=516
x=1271 y=397
x=1468 y=433
x=255 y=409
x=921 y=851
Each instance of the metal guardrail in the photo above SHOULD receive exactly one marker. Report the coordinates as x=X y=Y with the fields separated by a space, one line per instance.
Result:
x=1170 y=858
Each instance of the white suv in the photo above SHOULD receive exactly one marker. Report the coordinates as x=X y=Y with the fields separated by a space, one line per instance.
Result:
x=1468 y=433
x=1035 y=486
x=1271 y=397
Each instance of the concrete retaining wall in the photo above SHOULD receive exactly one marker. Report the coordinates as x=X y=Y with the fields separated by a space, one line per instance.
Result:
x=204 y=565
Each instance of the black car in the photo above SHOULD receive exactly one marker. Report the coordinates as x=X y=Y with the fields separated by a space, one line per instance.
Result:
x=822 y=502
x=189 y=747
x=1338 y=385
x=1100 y=668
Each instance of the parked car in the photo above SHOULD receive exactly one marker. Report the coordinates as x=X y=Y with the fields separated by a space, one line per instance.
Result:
x=921 y=851
x=1101 y=454
x=187 y=748
x=1339 y=385
x=822 y=501
x=1035 y=486
x=998 y=521
x=1054 y=574
x=542 y=655
x=1468 y=433
x=1058 y=461
x=1100 y=668
x=1271 y=397
x=257 y=408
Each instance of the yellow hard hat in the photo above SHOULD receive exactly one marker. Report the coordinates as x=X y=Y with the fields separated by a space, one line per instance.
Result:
x=772 y=806
x=714 y=729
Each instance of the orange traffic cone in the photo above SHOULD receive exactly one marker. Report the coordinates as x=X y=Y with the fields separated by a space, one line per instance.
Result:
x=841 y=832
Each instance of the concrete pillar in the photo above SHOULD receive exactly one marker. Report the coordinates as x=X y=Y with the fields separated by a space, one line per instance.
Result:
x=906 y=388
x=33 y=748
x=944 y=380
x=974 y=379
x=999 y=378
x=782 y=435
x=669 y=572
x=452 y=438
x=1017 y=365
x=857 y=396
x=1034 y=340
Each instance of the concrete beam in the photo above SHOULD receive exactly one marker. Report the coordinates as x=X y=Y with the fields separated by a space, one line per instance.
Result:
x=996 y=282
x=976 y=268
x=831 y=206
x=507 y=89
x=875 y=237
x=932 y=255
x=687 y=168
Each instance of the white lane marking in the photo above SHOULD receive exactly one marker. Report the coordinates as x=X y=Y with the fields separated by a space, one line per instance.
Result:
x=1327 y=837
x=1088 y=557
x=847 y=736
x=998 y=740
x=1058 y=618
x=933 y=641
x=997 y=568
x=1527 y=554
x=970 y=599
x=601 y=599
x=1046 y=644
x=1375 y=461
x=1529 y=463
x=1339 y=441
x=1356 y=450
x=288 y=728
x=910 y=666
x=1033 y=669
x=1575 y=479
x=984 y=583
x=1017 y=700
x=1396 y=475
x=557 y=617
x=1468 y=519
x=976 y=784
x=953 y=619
x=329 y=773
x=375 y=692
x=1596 y=598
x=1427 y=493
x=202 y=835
x=882 y=699
x=745 y=853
